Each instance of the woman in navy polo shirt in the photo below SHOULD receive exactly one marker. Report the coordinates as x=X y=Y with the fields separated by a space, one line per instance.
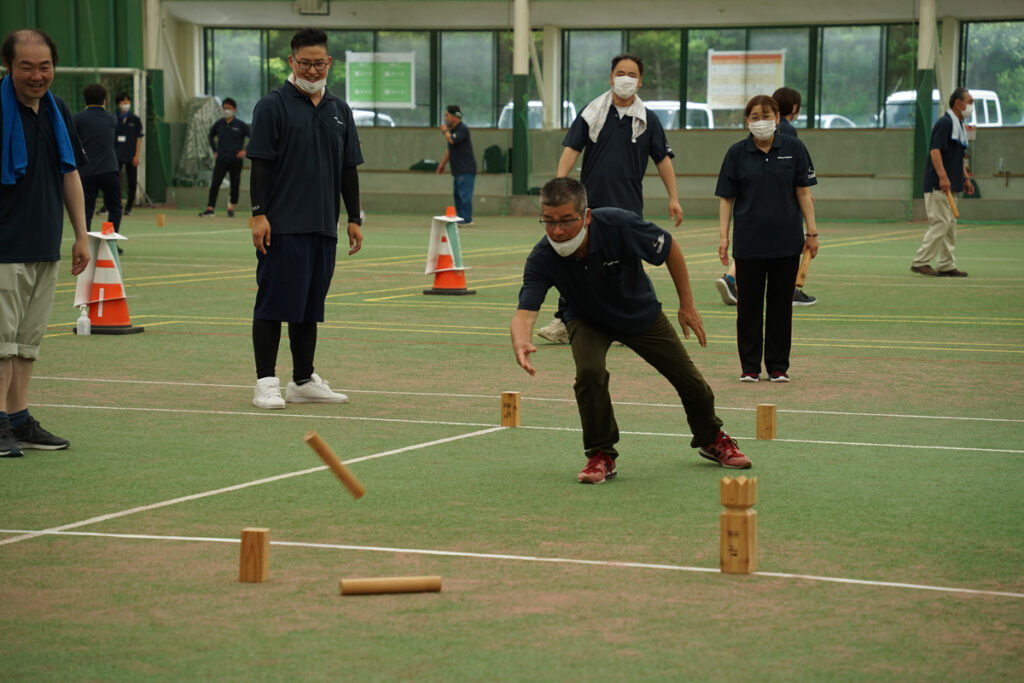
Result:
x=765 y=185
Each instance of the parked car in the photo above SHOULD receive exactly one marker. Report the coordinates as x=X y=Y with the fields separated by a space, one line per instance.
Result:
x=698 y=114
x=365 y=117
x=899 y=109
x=535 y=114
x=825 y=121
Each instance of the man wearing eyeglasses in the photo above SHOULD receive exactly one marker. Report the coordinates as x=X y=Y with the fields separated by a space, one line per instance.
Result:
x=304 y=149
x=594 y=257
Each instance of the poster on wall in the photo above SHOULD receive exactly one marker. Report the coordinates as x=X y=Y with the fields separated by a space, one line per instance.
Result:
x=380 y=80
x=734 y=76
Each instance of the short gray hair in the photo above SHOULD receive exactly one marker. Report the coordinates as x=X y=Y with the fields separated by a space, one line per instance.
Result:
x=563 y=191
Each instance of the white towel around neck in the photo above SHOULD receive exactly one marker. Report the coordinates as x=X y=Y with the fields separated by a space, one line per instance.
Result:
x=596 y=113
x=959 y=132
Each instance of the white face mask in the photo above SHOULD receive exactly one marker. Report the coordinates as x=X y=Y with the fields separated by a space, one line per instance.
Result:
x=625 y=86
x=968 y=110
x=125 y=107
x=310 y=88
x=229 y=113
x=762 y=130
x=568 y=247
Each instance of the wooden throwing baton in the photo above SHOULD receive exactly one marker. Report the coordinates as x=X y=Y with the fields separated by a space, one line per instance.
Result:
x=353 y=485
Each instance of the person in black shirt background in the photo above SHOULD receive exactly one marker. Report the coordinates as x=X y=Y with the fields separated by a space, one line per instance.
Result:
x=129 y=143
x=97 y=129
x=227 y=138
x=463 y=163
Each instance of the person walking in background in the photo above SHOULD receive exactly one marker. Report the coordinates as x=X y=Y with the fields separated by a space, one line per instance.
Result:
x=227 y=139
x=304 y=152
x=39 y=152
x=945 y=172
x=764 y=184
x=463 y=162
x=129 y=144
x=97 y=129
x=595 y=257
x=789 y=101
x=617 y=136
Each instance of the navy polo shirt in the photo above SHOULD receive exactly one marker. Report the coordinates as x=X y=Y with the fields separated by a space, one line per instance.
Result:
x=460 y=151
x=307 y=148
x=608 y=287
x=97 y=129
x=766 y=216
x=230 y=138
x=129 y=129
x=614 y=166
x=952 y=157
x=32 y=210
x=785 y=127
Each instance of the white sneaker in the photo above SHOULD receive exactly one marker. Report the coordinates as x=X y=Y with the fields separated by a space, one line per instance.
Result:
x=555 y=332
x=268 y=394
x=313 y=391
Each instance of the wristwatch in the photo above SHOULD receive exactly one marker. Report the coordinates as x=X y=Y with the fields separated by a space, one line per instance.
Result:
x=357 y=220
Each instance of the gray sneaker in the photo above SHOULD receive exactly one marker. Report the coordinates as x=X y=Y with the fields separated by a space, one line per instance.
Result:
x=31 y=435
x=9 y=447
x=727 y=288
x=801 y=299
x=555 y=332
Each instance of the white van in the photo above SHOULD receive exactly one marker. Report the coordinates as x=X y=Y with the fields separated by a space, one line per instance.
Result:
x=535 y=114
x=698 y=114
x=899 y=109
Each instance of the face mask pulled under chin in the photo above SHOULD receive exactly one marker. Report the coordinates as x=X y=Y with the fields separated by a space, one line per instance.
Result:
x=762 y=130
x=310 y=88
x=568 y=247
x=625 y=86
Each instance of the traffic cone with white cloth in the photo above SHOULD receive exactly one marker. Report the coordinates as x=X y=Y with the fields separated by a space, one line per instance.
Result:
x=100 y=286
x=444 y=256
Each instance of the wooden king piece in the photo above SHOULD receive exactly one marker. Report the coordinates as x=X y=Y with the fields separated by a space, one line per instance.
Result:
x=739 y=525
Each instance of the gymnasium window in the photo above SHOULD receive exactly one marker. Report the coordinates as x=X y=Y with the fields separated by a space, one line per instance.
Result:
x=467 y=75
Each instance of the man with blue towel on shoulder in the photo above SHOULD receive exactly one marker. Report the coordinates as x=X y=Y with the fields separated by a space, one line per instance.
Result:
x=38 y=176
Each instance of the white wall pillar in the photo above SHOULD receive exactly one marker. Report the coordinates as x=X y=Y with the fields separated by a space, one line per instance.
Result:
x=552 y=77
x=948 y=67
x=521 y=37
x=926 y=35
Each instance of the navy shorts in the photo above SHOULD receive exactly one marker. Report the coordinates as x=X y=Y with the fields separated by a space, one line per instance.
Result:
x=293 y=278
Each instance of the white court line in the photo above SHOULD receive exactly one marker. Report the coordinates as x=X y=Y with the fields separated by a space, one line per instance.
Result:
x=524 y=558
x=237 y=487
x=535 y=398
x=275 y=414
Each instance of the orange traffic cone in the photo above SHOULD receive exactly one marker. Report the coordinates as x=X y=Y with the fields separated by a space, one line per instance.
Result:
x=449 y=273
x=108 y=309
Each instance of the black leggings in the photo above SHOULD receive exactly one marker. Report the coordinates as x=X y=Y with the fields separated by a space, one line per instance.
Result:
x=266 y=338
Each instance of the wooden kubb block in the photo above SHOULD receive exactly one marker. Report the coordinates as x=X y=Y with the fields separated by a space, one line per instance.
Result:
x=161 y=220
x=766 y=421
x=254 y=565
x=510 y=409
x=739 y=525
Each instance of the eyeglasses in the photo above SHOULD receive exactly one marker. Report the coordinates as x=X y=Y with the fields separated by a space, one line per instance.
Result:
x=306 y=65
x=551 y=225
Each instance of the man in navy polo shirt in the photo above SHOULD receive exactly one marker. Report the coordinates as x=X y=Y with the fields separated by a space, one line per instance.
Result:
x=617 y=135
x=945 y=171
x=594 y=257
x=129 y=144
x=304 y=149
x=227 y=139
x=38 y=149
x=463 y=162
x=97 y=129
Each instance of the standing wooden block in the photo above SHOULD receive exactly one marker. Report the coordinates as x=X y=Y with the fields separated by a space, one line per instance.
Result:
x=354 y=486
x=739 y=525
x=394 y=584
x=510 y=409
x=161 y=220
x=254 y=566
x=766 y=421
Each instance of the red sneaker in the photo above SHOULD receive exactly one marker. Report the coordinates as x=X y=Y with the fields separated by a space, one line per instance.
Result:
x=600 y=466
x=723 y=450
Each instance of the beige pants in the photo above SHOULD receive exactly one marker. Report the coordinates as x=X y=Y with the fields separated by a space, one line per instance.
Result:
x=940 y=239
x=26 y=297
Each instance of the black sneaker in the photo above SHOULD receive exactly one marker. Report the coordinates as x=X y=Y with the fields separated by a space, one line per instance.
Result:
x=231 y=213
x=206 y=214
x=31 y=435
x=727 y=288
x=9 y=447
x=127 y=212
x=802 y=299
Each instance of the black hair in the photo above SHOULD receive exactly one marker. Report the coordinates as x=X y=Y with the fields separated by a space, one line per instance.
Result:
x=94 y=94
x=21 y=36
x=628 y=55
x=957 y=95
x=564 y=191
x=761 y=101
x=787 y=99
x=122 y=96
x=308 y=37
x=228 y=101
x=455 y=110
